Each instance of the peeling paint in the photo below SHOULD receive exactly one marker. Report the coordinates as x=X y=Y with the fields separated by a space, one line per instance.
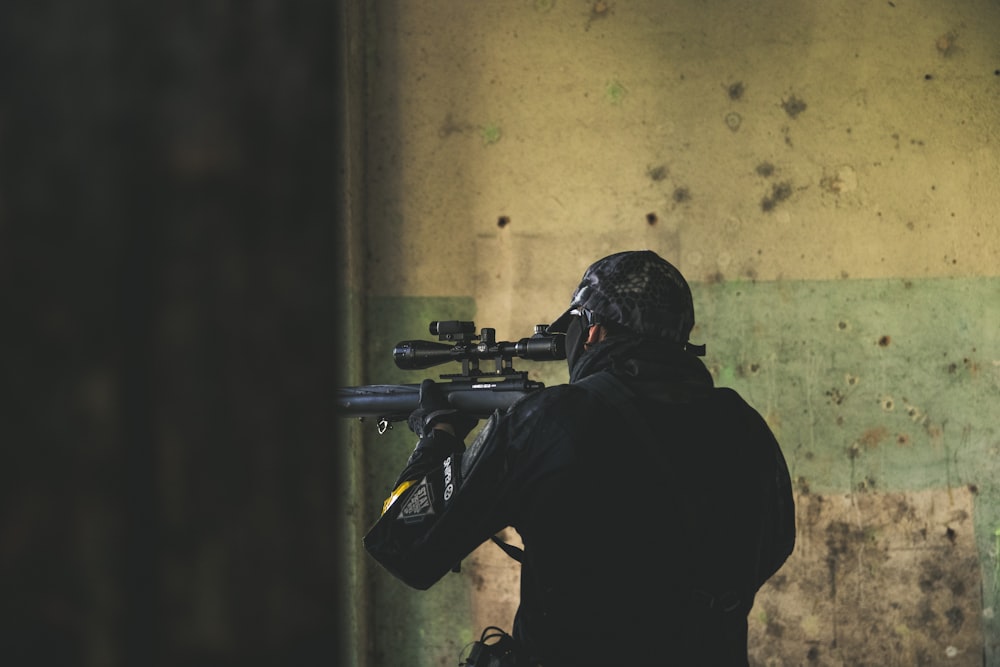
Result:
x=877 y=579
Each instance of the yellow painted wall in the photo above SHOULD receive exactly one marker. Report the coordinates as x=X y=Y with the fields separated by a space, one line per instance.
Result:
x=827 y=175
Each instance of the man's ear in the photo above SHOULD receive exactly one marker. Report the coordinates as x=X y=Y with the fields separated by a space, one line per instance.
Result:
x=596 y=334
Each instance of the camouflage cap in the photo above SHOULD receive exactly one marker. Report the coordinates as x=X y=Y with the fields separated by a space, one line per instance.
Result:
x=639 y=290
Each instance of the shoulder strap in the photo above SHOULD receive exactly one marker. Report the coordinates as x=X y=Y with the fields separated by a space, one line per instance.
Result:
x=516 y=553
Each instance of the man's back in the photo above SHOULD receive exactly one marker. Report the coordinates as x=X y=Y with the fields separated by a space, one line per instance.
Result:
x=635 y=542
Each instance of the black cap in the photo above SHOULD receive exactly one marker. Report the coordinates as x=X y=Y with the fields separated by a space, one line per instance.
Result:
x=639 y=290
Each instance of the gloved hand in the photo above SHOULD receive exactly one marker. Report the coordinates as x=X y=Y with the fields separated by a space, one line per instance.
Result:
x=435 y=409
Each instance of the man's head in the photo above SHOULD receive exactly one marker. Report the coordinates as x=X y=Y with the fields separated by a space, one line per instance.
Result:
x=635 y=292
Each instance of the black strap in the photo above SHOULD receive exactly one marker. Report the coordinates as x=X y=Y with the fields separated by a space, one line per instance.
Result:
x=516 y=553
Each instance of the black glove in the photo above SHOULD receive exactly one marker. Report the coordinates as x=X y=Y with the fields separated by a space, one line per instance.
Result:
x=435 y=409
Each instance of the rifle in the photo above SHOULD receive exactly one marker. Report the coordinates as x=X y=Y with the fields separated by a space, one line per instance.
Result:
x=475 y=390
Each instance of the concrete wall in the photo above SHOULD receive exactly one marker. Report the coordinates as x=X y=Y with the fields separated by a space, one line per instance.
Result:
x=826 y=176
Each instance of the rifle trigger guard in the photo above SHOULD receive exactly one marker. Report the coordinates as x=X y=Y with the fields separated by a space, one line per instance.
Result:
x=383 y=425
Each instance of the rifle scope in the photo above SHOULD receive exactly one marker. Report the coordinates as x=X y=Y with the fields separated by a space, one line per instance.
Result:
x=419 y=354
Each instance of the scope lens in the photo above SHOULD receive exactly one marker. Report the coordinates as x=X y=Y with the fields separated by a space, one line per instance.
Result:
x=411 y=355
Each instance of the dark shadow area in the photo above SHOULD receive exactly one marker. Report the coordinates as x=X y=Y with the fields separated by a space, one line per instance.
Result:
x=167 y=223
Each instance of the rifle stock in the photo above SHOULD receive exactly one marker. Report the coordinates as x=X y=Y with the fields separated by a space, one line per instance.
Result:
x=395 y=402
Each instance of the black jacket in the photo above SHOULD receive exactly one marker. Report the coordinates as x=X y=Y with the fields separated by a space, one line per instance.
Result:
x=636 y=552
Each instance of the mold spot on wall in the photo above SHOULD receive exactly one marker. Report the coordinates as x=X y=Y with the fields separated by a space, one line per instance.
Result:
x=503 y=221
x=947 y=44
x=765 y=169
x=715 y=278
x=774 y=629
x=450 y=126
x=779 y=193
x=787 y=134
x=843 y=179
x=651 y=219
x=802 y=485
x=735 y=90
x=491 y=134
x=866 y=485
x=793 y=106
x=599 y=9
x=733 y=121
x=657 y=173
x=681 y=195
x=615 y=92
x=873 y=436
x=473 y=575
x=884 y=340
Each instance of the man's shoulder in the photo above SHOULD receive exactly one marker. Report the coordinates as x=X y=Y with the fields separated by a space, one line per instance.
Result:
x=550 y=397
x=732 y=399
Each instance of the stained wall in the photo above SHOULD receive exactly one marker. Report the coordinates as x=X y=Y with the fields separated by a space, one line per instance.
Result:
x=825 y=174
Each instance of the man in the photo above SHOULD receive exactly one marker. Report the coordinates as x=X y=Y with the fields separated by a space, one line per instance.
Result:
x=651 y=504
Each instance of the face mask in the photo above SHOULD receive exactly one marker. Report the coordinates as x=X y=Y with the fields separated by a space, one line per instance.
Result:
x=574 y=342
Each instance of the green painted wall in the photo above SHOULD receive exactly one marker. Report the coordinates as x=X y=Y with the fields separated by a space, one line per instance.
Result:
x=870 y=384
